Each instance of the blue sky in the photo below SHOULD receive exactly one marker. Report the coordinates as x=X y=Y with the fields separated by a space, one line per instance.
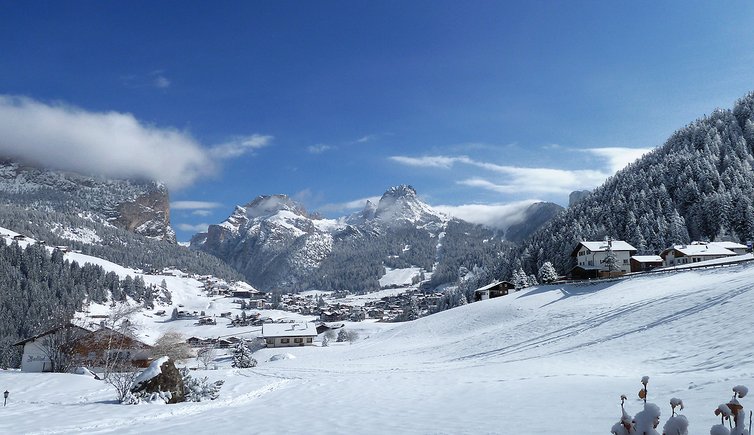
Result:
x=482 y=106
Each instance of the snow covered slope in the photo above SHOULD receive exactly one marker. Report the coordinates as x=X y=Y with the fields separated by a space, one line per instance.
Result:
x=553 y=359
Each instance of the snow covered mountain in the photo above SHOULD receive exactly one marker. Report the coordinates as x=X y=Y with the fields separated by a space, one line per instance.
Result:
x=275 y=243
x=125 y=221
x=141 y=207
x=271 y=240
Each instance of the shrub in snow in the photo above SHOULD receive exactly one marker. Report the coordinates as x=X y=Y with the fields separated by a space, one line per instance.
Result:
x=242 y=358
x=342 y=335
x=146 y=397
x=676 y=424
x=732 y=409
x=349 y=336
x=325 y=342
x=645 y=422
x=198 y=389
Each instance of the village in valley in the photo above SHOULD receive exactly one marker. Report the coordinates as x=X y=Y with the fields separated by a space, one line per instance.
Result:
x=222 y=316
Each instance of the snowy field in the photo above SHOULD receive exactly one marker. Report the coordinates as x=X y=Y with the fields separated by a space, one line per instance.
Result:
x=548 y=360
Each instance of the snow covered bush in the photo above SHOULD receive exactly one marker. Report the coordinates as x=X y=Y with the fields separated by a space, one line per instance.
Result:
x=732 y=409
x=349 y=336
x=676 y=424
x=198 y=389
x=242 y=358
x=547 y=273
x=646 y=421
x=145 y=397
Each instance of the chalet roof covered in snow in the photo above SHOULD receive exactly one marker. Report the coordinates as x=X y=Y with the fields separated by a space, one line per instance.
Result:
x=494 y=284
x=647 y=258
x=700 y=249
x=729 y=245
x=304 y=329
x=601 y=246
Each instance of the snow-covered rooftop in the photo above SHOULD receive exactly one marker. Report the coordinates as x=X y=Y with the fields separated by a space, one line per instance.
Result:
x=618 y=245
x=647 y=258
x=304 y=329
x=489 y=286
x=729 y=245
x=702 y=249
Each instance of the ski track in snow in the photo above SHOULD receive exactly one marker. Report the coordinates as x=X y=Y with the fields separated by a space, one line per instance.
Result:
x=616 y=315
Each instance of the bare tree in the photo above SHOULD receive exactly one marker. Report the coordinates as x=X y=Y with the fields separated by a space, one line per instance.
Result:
x=172 y=344
x=58 y=345
x=206 y=355
x=121 y=376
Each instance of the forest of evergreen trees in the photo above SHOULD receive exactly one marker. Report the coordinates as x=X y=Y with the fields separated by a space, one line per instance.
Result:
x=698 y=186
x=40 y=289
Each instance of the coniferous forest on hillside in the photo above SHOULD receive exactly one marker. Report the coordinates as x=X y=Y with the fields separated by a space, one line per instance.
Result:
x=698 y=186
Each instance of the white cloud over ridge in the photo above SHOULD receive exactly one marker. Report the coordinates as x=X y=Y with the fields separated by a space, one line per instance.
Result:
x=354 y=205
x=500 y=216
x=618 y=157
x=112 y=144
x=198 y=228
x=532 y=180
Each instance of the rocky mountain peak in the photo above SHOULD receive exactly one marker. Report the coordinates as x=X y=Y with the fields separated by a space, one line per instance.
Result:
x=400 y=203
x=400 y=191
x=268 y=205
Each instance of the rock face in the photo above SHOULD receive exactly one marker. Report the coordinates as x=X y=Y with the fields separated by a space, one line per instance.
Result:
x=160 y=377
x=139 y=206
x=271 y=240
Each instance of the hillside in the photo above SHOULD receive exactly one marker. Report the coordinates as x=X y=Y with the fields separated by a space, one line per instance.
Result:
x=698 y=186
x=546 y=360
x=138 y=206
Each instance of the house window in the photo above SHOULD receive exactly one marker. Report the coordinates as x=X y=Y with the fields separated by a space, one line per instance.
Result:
x=270 y=341
x=298 y=340
x=285 y=340
x=625 y=261
x=591 y=263
x=309 y=340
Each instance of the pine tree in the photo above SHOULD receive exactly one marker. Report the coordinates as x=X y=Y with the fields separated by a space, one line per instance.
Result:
x=547 y=273
x=242 y=358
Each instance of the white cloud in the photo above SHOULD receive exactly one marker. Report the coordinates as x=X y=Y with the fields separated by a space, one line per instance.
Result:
x=430 y=161
x=203 y=213
x=516 y=179
x=365 y=139
x=318 y=149
x=240 y=145
x=161 y=82
x=112 y=144
x=198 y=228
x=618 y=157
x=193 y=205
x=499 y=216
x=356 y=204
x=533 y=180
